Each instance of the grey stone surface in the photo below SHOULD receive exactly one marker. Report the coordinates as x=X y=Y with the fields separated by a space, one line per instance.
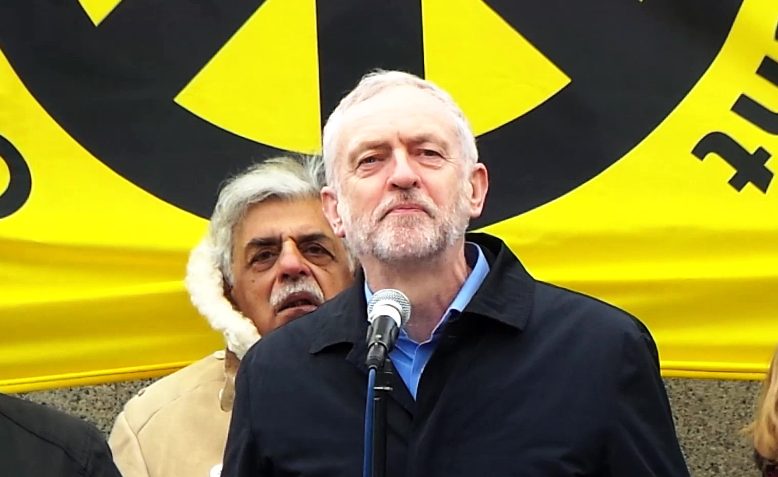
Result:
x=96 y=404
x=708 y=414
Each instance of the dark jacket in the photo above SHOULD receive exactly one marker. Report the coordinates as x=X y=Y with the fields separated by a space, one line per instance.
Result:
x=36 y=441
x=767 y=467
x=530 y=380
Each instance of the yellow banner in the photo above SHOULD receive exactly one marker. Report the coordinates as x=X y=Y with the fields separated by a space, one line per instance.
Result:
x=630 y=149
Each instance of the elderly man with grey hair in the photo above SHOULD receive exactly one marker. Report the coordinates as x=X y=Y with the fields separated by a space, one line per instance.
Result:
x=497 y=374
x=269 y=257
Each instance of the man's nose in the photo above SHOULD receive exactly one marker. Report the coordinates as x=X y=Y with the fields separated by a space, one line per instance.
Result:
x=403 y=174
x=292 y=263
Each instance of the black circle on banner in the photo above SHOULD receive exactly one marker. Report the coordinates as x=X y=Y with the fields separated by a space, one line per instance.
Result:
x=20 y=183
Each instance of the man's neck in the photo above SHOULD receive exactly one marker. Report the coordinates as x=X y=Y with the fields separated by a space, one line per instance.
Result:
x=431 y=286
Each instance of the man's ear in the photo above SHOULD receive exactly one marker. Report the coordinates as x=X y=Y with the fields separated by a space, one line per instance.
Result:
x=329 y=204
x=479 y=186
x=228 y=293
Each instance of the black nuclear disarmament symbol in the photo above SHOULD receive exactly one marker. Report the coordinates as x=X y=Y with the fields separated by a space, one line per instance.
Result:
x=116 y=97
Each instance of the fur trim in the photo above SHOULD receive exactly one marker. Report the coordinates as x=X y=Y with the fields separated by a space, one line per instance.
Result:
x=205 y=284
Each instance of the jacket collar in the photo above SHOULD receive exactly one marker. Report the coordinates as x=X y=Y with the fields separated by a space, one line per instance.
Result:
x=343 y=320
x=505 y=296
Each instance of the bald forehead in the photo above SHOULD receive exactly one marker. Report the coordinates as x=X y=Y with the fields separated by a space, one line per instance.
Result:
x=413 y=112
x=408 y=96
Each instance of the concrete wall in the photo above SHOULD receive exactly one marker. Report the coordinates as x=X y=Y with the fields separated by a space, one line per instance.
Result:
x=708 y=416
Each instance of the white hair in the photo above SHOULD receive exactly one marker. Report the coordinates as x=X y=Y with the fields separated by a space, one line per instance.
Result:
x=210 y=262
x=278 y=178
x=371 y=85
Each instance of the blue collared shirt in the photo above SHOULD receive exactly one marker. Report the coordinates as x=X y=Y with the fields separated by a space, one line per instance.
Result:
x=410 y=358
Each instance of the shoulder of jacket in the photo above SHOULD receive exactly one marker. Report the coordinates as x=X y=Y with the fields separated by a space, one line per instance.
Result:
x=591 y=310
x=49 y=426
x=208 y=371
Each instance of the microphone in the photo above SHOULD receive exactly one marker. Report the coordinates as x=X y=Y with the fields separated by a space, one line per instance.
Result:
x=387 y=312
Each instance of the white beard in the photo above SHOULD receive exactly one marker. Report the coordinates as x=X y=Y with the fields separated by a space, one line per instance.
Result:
x=412 y=237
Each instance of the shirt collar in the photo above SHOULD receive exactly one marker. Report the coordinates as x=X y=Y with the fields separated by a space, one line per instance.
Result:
x=479 y=269
x=505 y=296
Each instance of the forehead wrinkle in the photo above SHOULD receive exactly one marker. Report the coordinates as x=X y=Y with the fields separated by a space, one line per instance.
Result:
x=312 y=237
x=366 y=144
x=375 y=115
x=263 y=241
x=428 y=137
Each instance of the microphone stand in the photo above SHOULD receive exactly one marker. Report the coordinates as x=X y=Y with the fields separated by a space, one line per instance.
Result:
x=383 y=386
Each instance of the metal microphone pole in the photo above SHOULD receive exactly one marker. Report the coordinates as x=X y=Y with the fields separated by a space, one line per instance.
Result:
x=387 y=312
x=383 y=386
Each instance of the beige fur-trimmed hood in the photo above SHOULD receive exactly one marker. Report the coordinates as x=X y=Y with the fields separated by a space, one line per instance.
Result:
x=205 y=284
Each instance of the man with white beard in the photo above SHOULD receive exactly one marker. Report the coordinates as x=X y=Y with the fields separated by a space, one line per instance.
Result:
x=498 y=374
x=269 y=257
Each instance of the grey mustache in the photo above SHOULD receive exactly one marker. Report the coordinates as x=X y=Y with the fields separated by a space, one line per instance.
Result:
x=279 y=295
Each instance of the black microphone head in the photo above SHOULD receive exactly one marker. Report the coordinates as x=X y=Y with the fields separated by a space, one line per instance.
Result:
x=392 y=298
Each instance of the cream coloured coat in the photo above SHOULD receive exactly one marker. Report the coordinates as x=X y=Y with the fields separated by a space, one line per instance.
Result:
x=178 y=425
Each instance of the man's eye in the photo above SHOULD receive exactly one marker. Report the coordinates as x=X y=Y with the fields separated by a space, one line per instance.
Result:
x=261 y=256
x=317 y=254
x=264 y=258
x=367 y=161
x=430 y=153
x=315 y=248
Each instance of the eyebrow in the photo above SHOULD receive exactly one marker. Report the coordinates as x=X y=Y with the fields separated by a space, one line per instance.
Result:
x=304 y=238
x=366 y=145
x=415 y=140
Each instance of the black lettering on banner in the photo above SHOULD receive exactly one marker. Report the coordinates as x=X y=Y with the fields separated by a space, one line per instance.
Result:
x=753 y=112
x=756 y=114
x=20 y=182
x=748 y=167
x=769 y=70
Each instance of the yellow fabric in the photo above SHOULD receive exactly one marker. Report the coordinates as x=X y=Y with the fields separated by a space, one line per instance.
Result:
x=661 y=235
x=91 y=265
